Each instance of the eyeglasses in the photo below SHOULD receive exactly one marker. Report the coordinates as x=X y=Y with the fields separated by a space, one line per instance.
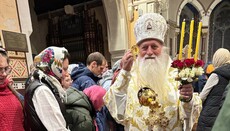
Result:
x=7 y=70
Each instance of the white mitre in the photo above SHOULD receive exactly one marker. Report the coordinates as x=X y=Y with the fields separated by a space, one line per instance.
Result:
x=150 y=26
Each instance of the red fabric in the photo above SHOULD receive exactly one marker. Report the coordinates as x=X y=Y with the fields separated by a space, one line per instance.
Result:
x=5 y=84
x=95 y=94
x=95 y=123
x=11 y=111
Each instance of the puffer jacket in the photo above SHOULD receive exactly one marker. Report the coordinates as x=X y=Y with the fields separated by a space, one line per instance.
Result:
x=80 y=112
x=214 y=100
x=83 y=78
x=222 y=120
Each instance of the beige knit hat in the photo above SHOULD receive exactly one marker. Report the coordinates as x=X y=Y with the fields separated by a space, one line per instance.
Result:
x=220 y=57
x=150 y=26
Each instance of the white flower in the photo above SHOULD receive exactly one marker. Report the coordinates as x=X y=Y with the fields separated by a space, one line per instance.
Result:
x=192 y=74
x=199 y=71
x=194 y=69
x=187 y=72
x=182 y=73
x=190 y=79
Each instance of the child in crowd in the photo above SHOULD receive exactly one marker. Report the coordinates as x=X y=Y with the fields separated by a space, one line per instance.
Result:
x=81 y=107
x=66 y=81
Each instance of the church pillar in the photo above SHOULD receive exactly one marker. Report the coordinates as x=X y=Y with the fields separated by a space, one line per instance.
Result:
x=117 y=28
x=204 y=44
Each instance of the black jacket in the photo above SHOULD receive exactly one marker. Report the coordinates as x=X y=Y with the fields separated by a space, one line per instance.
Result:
x=213 y=102
x=32 y=121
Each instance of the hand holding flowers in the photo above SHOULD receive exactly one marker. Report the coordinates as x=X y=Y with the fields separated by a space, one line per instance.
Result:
x=188 y=71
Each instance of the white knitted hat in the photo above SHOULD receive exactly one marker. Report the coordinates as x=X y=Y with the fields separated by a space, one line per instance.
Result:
x=150 y=26
x=221 y=57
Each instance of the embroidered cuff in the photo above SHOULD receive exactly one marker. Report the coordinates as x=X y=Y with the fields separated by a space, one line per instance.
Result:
x=122 y=81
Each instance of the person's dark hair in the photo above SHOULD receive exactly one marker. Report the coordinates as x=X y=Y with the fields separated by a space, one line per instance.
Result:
x=66 y=55
x=3 y=52
x=95 y=56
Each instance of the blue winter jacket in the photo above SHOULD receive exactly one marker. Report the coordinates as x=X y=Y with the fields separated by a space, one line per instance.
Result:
x=83 y=78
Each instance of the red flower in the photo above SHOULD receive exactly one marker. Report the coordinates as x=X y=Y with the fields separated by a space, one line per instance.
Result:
x=199 y=63
x=177 y=64
x=180 y=65
x=189 y=62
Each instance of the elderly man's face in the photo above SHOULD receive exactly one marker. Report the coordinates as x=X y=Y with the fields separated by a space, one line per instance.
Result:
x=150 y=48
x=153 y=64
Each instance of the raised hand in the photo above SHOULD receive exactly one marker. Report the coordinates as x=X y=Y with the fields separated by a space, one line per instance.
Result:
x=127 y=61
x=9 y=78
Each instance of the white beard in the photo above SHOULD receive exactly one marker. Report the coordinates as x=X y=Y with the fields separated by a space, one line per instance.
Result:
x=154 y=74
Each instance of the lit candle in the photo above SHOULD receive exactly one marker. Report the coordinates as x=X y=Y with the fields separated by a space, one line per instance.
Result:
x=181 y=39
x=198 y=41
x=190 y=38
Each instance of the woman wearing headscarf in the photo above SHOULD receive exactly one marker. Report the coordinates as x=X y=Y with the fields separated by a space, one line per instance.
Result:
x=11 y=110
x=45 y=97
x=81 y=107
x=214 y=89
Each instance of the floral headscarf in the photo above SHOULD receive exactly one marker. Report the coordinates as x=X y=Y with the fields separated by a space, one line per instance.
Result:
x=50 y=60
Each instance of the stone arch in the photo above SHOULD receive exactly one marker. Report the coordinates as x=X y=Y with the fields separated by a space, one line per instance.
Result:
x=195 y=3
x=219 y=27
x=213 y=5
x=188 y=13
x=201 y=13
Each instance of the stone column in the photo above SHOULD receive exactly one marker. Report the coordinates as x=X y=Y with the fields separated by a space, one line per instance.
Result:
x=117 y=28
x=204 y=45
x=26 y=26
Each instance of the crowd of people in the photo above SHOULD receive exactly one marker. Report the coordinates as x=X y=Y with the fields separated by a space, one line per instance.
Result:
x=139 y=92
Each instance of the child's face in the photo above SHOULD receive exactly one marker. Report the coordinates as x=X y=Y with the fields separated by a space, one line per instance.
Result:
x=66 y=82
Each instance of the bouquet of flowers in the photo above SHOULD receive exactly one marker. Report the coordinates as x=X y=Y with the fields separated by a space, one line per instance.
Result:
x=188 y=69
